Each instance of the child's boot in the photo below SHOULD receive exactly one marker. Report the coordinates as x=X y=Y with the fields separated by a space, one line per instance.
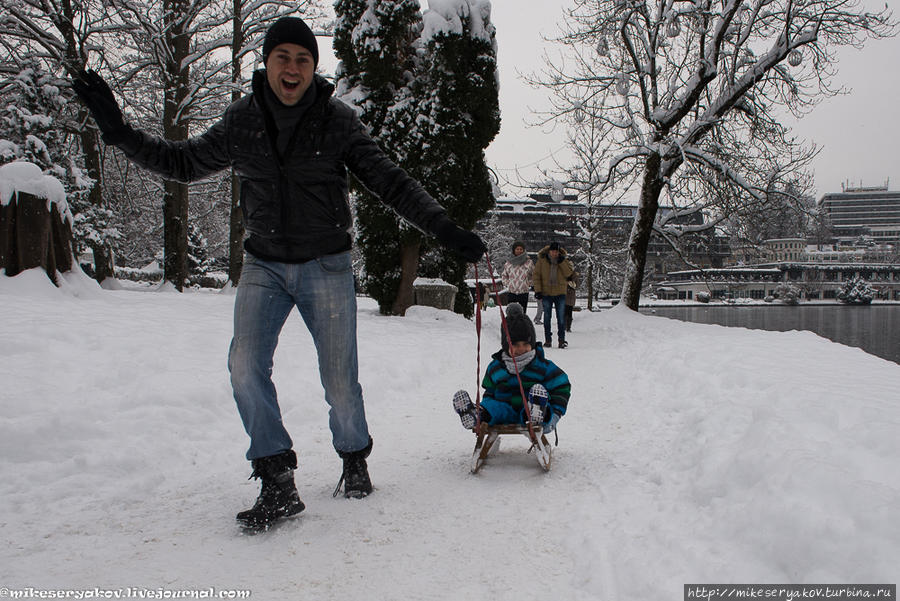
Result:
x=464 y=407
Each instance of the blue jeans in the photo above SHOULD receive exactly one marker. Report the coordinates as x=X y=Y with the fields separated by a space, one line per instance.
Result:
x=503 y=413
x=559 y=303
x=323 y=292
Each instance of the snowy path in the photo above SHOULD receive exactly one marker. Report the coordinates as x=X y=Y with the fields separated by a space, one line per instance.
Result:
x=691 y=454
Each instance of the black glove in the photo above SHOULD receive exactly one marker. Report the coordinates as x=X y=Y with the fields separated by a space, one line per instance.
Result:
x=465 y=243
x=98 y=98
x=538 y=296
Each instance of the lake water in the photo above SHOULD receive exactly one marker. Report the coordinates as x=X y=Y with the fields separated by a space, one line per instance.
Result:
x=874 y=328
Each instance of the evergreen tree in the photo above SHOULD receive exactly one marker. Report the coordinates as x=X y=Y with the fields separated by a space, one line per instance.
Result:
x=461 y=116
x=199 y=261
x=61 y=35
x=426 y=88
x=375 y=41
x=33 y=115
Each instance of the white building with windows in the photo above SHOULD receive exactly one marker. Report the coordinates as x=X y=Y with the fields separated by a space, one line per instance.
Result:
x=864 y=213
x=815 y=281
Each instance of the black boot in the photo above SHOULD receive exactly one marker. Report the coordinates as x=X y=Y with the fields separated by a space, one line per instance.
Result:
x=278 y=497
x=356 y=473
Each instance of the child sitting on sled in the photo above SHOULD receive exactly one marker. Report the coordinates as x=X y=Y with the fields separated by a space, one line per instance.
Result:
x=546 y=386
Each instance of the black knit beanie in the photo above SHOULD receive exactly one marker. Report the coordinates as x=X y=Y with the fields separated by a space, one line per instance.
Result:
x=290 y=30
x=520 y=327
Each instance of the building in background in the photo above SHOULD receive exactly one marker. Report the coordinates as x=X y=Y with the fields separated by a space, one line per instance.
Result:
x=866 y=235
x=540 y=219
x=813 y=281
x=863 y=215
x=785 y=249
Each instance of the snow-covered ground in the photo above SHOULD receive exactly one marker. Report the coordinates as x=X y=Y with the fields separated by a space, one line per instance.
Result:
x=690 y=454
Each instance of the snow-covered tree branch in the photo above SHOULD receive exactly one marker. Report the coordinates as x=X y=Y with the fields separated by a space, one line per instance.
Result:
x=689 y=95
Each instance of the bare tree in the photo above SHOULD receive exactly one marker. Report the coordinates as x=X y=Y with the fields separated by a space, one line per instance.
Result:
x=167 y=40
x=184 y=45
x=787 y=213
x=688 y=95
x=598 y=243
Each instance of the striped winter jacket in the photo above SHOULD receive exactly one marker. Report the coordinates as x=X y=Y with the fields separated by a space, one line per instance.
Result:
x=501 y=389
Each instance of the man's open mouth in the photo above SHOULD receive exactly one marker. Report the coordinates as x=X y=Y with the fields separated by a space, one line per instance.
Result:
x=290 y=85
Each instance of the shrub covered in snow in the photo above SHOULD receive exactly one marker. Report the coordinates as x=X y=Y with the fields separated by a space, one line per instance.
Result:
x=788 y=294
x=856 y=291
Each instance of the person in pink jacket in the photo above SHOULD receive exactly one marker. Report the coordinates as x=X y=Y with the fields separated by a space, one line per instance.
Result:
x=516 y=275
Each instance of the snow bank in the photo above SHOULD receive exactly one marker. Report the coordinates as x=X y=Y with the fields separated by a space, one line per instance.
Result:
x=690 y=453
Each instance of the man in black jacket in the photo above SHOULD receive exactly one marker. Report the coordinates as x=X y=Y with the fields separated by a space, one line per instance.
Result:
x=291 y=143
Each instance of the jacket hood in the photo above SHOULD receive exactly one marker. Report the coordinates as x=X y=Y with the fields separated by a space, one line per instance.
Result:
x=544 y=252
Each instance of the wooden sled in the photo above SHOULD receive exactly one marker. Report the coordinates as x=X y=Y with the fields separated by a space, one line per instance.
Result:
x=487 y=440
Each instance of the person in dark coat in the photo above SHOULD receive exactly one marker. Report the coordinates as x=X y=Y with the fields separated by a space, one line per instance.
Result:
x=571 y=298
x=551 y=273
x=291 y=143
x=546 y=386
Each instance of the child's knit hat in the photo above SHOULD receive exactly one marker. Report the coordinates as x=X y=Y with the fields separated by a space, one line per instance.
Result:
x=520 y=327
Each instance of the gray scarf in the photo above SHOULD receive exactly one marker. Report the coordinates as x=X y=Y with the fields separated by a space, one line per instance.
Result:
x=519 y=363
x=518 y=260
x=553 y=267
x=287 y=117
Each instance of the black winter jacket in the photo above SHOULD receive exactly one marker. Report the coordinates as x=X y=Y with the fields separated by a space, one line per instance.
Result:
x=296 y=208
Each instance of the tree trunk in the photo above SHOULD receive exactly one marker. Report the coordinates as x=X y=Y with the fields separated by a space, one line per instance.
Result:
x=409 y=267
x=591 y=250
x=641 y=231
x=175 y=233
x=236 y=222
x=103 y=263
x=175 y=127
x=591 y=268
x=73 y=62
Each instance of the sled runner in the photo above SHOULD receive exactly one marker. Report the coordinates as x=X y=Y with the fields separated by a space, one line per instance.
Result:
x=487 y=439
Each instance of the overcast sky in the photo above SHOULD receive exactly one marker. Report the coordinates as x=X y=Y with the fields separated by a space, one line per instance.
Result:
x=859 y=133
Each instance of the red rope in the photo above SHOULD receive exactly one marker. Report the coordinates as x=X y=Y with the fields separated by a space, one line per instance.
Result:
x=505 y=329
x=477 y=350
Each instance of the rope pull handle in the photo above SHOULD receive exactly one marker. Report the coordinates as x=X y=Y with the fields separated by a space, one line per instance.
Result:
x=505 y=328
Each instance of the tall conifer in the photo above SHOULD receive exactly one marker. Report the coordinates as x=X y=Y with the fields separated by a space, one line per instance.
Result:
x=462 y=114
x=426 y=87
x=374 y=40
